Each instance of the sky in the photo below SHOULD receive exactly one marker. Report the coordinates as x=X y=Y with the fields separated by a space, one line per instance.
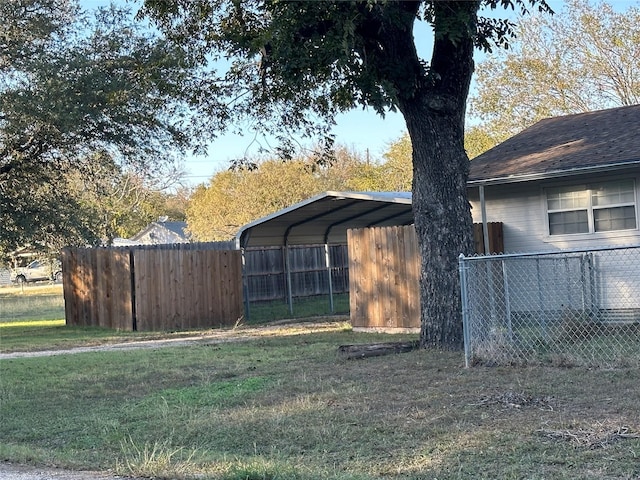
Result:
x=359 y=130
x=362 y=131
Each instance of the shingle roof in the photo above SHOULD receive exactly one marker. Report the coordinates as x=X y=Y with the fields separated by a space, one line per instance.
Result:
x=178 y=228
x=558 y=145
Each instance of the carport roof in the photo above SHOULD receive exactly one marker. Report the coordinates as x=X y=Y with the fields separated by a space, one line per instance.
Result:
x=326 y=217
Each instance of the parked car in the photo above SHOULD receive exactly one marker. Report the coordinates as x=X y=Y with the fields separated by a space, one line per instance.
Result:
x=37 y=271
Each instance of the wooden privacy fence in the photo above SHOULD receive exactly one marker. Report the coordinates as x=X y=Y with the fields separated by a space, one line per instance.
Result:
x=384 y=274
x=384 y=268
x=496 y=239
x=174 y=287
x=266 y=270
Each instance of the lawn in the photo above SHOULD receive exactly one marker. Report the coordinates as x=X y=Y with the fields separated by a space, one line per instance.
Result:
x=32 y=318
x=266 y=311
x=288 y=407
x=41 y=301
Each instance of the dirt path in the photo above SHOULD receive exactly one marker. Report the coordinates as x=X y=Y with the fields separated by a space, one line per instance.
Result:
x=10 y=471
x=135 y=345
x=208 y=338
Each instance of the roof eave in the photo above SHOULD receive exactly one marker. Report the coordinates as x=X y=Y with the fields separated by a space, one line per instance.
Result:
x=552 y=174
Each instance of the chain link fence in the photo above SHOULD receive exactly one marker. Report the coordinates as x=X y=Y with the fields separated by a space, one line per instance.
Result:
x=579 y=307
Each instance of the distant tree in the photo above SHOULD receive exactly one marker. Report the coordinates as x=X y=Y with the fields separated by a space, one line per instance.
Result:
x=120 y=204
x=366 y=177
x=587 y=57
x=480 y=138
x=396 y=172
x=391 y=174
x=175 y=203
x=238 y=196
x=397 y=168
x=76 y=90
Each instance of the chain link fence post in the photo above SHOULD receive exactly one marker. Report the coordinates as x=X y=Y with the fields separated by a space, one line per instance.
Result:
x=465 y=310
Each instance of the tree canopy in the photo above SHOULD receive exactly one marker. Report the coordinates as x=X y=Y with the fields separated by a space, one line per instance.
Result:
x=587 y=57
x=238 y=196
x=121 y=203
x=292 y=63
x=75 y=90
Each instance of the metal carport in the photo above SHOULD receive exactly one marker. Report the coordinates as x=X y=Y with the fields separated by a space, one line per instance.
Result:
x=324 y=220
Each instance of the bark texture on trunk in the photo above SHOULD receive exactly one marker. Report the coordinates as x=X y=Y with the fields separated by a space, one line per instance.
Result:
x=434 y=110
x=443 y=225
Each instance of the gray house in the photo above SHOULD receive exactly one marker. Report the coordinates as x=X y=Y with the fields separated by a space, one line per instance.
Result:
x=564 y=183
x=568 y=183
x=161 y=232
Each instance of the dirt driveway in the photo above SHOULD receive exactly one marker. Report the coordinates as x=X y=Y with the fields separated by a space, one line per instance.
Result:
x=209 y=337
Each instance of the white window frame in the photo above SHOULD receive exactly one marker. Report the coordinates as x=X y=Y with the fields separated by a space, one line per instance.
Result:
x=590 y=207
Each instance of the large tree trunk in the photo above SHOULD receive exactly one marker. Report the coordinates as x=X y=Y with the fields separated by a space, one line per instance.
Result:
x=434 y=112
x=443 y=223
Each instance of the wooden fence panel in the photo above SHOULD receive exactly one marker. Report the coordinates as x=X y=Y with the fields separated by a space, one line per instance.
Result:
x=384 y=274
x=496 y=238
x=152 y=288
x=97 y=288
x=409 y=249
x=178 y=289
x=384 y=269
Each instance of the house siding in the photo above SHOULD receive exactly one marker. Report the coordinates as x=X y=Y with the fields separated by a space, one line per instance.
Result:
x=518 y=208
x=522 y=210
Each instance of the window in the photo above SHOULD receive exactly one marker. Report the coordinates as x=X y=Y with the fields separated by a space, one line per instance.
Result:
x=593 y=208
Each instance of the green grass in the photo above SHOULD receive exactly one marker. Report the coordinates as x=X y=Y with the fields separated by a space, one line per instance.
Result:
x=31 y=302
x=288 y=407
x=45 y=302
x=282 y=405
x=266 y=311
x=32 y=318
x=36 y=335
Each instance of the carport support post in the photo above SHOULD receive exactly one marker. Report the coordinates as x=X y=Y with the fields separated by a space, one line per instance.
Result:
x=327 y=261
x=245 y=286
x=287 y=269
